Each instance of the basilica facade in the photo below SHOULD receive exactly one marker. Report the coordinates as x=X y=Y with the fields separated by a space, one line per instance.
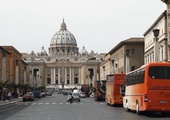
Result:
x=64 y=64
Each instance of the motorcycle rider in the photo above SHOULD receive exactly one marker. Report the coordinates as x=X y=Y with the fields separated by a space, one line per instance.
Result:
x=70 y=98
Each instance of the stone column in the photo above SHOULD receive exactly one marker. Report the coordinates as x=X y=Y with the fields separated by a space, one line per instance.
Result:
x=65 y=75
x=59 y=80
x=79 y=76
x=71 y=76
x=54 y=76
x=16 y=73
x=156 y=50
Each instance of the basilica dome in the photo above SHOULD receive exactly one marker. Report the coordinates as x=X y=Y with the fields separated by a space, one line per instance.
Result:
x=83 y=51
x=63 y=37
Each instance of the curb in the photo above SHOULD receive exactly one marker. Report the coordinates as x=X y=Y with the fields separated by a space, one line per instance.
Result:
x=8 y=104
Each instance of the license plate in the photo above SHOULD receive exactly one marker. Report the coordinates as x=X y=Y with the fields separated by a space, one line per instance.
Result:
x=163 y=101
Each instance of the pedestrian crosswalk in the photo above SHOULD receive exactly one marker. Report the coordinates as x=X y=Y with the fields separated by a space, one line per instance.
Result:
x=60 y=103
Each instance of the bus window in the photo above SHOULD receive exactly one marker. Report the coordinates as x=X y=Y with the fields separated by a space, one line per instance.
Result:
x=159 y=72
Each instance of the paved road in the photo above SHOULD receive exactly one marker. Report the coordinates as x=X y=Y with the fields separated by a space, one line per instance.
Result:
x=56 y=108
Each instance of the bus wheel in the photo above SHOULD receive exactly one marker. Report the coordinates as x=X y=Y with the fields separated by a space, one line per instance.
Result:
x=137 y=109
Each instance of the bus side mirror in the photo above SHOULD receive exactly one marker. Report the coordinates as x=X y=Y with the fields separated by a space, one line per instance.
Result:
x=122 y=89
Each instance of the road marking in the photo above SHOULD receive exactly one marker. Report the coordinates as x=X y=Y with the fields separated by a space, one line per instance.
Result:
x=74 y=103
x=33 y=103
x=101 y=103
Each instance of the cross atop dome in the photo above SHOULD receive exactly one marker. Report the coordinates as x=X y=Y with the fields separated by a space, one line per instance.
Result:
x=63 y=26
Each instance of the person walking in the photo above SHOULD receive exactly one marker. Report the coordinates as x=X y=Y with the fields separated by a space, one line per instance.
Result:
x=9 y=96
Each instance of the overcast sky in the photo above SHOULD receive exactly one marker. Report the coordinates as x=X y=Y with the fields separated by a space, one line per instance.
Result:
x=99 y=25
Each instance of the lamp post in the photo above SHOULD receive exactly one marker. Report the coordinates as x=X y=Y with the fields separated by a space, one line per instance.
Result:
x=156 y=45
x=113 y=66
x=127 y=60
x=104 y=72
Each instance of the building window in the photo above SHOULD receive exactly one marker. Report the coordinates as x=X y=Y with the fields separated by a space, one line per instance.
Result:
x=56 y=82
x=68 y=82
x=48 y=80
x=133 y=51
x=76 y=81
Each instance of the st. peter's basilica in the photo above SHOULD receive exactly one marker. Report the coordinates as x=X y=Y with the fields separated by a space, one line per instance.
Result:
x=64 y=64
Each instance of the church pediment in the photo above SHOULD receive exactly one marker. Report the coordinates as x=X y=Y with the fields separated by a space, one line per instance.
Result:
x=63 y=61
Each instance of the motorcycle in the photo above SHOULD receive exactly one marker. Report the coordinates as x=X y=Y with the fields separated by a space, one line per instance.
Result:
x=70 y=98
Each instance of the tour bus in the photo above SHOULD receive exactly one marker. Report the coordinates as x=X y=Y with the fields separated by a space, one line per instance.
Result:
x=113 y=96
x=99 y=90
x=148 y=88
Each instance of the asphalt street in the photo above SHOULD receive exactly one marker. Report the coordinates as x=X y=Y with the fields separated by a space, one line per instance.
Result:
x=56 y=107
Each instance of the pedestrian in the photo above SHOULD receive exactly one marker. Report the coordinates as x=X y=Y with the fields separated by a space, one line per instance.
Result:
x=9 y=96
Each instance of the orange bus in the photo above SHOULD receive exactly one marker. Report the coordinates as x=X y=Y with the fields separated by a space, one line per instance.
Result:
x=113 y=96
x=148 y=88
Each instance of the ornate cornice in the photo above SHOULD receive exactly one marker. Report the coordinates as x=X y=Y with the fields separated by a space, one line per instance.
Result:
x=166 y=1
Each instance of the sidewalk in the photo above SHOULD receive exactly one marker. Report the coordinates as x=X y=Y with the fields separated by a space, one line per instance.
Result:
x=13 y=101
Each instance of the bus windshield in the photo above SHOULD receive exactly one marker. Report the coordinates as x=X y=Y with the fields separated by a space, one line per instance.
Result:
x=159 y=72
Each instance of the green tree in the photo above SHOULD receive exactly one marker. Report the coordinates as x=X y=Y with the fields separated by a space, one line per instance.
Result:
x=3 y=84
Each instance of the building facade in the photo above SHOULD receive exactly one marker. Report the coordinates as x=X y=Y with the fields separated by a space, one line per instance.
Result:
x=167 y=2
x=126 y=56
x=4 y=66
x=64 y=64
x=14 y=65
x=156 y=49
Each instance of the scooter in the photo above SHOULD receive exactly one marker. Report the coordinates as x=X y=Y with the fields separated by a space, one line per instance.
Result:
x=71 y=100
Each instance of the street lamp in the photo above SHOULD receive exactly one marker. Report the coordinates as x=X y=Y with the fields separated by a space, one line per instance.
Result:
x=112 y=66
x=127 y=60
x=156 y=33
x=127 y=52
x=156 y=45
x=104 y=72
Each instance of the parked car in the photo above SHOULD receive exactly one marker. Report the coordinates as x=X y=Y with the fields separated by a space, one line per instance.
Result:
x=49 y=93
x=43 y=94
x=37 y=93
x=28 y=97
x=58 y=91
x=82 y=94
